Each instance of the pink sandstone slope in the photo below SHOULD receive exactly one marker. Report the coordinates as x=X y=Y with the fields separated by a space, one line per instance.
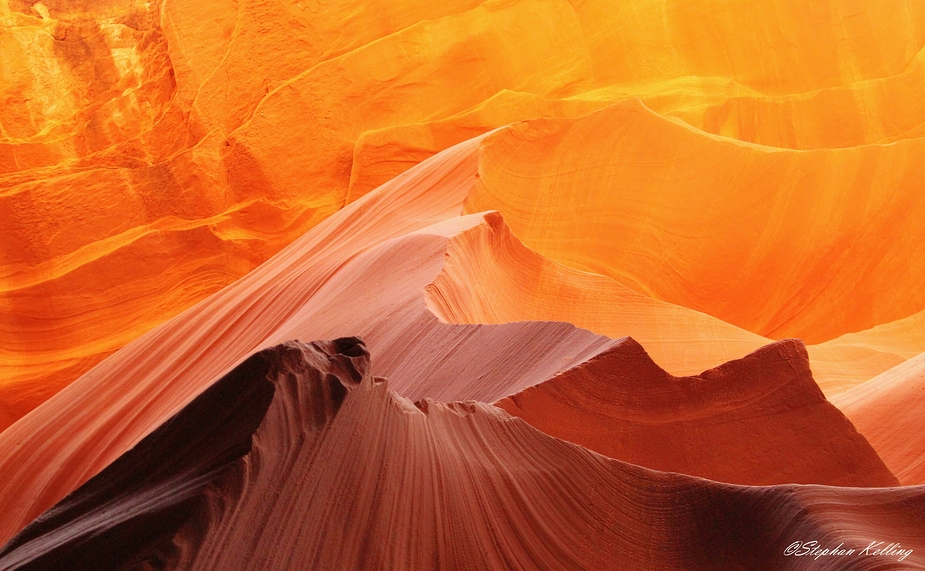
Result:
x=362 y=271
x=153 y=152
x=491 y=277
x=890 y=411
x=493 y=196
x=370 y=270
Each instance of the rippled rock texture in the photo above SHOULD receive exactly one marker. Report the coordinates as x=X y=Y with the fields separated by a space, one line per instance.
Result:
x=677 y=244
x=260 y=472
x=758 y=420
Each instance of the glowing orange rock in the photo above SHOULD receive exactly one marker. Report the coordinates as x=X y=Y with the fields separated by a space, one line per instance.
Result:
x=809 y=244
x=274 y=114
x=382 y=154
x=79 y=80
x=702 y=176
x=850 y=359
x=490 y=277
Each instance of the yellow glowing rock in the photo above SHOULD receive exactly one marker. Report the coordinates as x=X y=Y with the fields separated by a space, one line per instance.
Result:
x=383 y=154
x=78 y=81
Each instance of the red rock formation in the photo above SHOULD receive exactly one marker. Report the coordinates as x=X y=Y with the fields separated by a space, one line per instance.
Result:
x=439 y=486
x=758 y=420
x=145 y=496
x=732 y=171
x=362 y=271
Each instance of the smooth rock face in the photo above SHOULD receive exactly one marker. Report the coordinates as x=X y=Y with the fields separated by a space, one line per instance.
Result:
x=374 y=269
x=887 y=410
x=442 y=486
x=489 y=276
x=151 y=153
x=758 y=420
x=758 y=235
x=144 y=498
x=494 y=196
x=318 y=287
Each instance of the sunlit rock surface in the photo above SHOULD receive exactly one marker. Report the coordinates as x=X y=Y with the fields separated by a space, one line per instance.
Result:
x=494 y=196
x=151 y=154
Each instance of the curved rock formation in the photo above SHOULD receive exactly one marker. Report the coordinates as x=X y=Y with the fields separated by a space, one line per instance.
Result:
x=152 y=153
x=143 y=498
x=489 y=276
x=890 y=411
x=758 y=420
x=491 y=194
x=319 y=287
x=399 y=238
x=441 y=486
x=809 y=244
x=848 y=360
x=904 y=338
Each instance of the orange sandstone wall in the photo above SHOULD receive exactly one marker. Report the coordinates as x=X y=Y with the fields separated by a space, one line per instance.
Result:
x=153 y=153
